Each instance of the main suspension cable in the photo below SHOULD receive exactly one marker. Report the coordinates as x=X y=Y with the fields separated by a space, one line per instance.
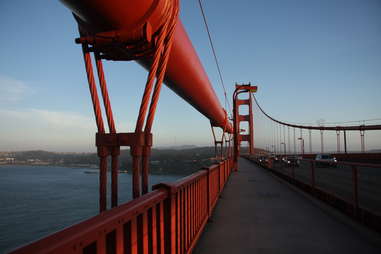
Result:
x=311 y=127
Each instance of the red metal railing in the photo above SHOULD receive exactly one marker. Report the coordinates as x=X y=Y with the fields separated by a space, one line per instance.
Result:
x=170 y=219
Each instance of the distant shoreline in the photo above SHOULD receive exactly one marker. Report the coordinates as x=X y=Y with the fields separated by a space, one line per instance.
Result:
x=48 y=165
x=94 y=169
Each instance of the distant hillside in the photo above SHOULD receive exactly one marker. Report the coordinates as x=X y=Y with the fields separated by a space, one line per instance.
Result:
x=163 y=160
x=374 y=151
x=183 y=147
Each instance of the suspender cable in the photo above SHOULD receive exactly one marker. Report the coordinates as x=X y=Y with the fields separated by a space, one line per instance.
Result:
x=215 y=56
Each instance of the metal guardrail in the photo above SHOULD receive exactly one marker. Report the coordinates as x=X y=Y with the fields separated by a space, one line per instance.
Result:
x=340 y=190
x=170 y=219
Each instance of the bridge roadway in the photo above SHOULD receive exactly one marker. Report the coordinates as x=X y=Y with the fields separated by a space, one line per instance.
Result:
x=259 y=213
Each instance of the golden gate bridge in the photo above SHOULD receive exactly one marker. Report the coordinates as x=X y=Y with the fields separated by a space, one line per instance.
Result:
x=173 y=216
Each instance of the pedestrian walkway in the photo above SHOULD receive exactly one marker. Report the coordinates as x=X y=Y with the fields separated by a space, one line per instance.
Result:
x=258 y=213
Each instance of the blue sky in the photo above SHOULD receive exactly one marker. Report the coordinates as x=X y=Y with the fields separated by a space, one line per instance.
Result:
x=311 y=59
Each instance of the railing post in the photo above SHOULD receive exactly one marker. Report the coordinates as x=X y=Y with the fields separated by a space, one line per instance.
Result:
x=355 y=190
x=208 y=190
x=102 y=153
x=226 y=170
x=224 y=163
x=219 y=178
x=170 y=217
x=293 y=171
x=230 y=166
x=119 y=239
x=228 y=163
x=313 y=175
x=222 y=176
x=114 y=175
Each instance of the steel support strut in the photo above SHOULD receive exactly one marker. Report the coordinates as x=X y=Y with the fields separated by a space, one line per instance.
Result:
x=218 y=155
x=219 y=142
x=140 y=141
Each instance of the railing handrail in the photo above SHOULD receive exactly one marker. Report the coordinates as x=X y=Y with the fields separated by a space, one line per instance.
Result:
x=359 y=164
x=185 y=181
x=79 y=232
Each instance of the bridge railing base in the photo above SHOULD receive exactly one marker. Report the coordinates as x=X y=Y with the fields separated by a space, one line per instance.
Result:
x=170 y=219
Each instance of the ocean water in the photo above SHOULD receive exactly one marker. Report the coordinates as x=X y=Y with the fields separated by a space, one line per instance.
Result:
x=38 y=200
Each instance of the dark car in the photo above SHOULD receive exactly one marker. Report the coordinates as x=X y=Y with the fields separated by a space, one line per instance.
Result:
x=277 y=159
x=325 y=160
x=264 y=161
x=261 y=159
x=291 y=161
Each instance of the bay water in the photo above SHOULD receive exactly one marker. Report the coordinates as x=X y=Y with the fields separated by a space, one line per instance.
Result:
x=36 y=201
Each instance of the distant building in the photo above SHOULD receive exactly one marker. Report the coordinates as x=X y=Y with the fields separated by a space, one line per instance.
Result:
x=7 y=160
x=155 y=162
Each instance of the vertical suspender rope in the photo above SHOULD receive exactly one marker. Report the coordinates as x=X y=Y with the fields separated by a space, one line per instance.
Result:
x=106 y=99
x=157 y=71
x=115 y=151
x=93 y=89
x=169 y=29
x=98 y=118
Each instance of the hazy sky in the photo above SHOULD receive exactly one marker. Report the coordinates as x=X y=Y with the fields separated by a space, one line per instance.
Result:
x=311 y=59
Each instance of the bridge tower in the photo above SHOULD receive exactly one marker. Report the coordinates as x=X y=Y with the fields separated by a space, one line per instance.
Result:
x=238 y=118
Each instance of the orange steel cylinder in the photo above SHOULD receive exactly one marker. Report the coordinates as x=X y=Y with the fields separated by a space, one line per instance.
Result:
x=185 y=74
x=108 y=15
x=186 y=77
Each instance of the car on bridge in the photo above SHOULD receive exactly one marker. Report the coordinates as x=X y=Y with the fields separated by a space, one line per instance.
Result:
x=277 y=158
x=325 y=160
x=264 y=161
x=291 y=161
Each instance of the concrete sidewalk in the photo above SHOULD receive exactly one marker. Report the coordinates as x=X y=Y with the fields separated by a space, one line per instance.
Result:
x=258 y=213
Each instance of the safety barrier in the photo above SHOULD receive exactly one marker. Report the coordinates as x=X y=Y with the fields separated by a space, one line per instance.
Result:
x=374 y=158
x=170 y=219
x=338 y=186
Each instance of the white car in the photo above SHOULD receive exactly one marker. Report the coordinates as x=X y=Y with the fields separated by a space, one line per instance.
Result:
x=325 y=160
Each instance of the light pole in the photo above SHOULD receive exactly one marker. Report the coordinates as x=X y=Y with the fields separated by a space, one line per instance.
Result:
x=302 y=144
x=284 y=146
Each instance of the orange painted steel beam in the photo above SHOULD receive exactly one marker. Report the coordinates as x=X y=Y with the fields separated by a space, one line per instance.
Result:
x=116 y=28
